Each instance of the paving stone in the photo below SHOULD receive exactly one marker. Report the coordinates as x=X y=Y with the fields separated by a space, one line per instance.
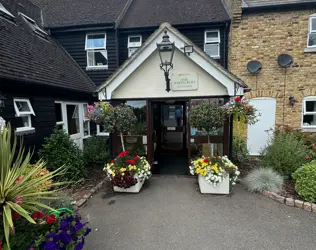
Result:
x=86 y=196
x=266 y=193
x=308 y=206
x=289 y=202
x=314 y=208
x=81 y=202
x=280 y=198
x=299 y=203
x=93 y=190
x=272 y=195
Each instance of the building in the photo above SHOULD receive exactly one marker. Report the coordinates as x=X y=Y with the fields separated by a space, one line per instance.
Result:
x=40 y=82
x=115 y=44
x=262 y=31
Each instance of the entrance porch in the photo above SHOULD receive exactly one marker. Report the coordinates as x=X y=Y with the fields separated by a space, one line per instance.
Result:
x=163 y=132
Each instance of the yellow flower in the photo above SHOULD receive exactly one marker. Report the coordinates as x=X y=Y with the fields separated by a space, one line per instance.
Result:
x=123 y=174
x=113 y=174
x=123 y=169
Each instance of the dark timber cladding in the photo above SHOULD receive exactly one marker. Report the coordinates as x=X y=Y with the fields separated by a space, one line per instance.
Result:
x=74 y=44
x=194 y=33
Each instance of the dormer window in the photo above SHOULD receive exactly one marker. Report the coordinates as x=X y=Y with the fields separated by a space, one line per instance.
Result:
x=5 y=13
x=133 y=43
x=312 y=31
x=37 y=30
x=212 y=43
x=97 y=55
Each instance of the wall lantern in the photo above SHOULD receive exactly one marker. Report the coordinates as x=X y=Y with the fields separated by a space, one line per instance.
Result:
x=2 y=99
x=166 y=51
x=292 y=100
x=187 y=49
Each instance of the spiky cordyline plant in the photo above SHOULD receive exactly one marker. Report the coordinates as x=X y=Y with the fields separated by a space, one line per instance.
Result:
x=19 y=192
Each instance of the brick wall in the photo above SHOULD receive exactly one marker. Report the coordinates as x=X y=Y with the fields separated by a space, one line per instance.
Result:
x=264 y=36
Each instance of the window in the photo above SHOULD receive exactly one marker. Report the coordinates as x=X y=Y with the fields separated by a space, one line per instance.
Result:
x=5 y=13
x=212 y=43
x=23 y=110
x=312 y=31
x=60 y=124
x=309 y=112
x=97 y=55
x=86 y=121
x=101 y=131
x=37 y=30
x=133 y=43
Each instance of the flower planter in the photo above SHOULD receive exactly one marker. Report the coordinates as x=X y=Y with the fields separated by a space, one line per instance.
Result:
x=209 y=188
x=133 y=189
x=131 y=139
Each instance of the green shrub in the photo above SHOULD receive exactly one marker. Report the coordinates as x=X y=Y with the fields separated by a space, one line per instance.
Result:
x=96 y=153
x=239 y=149
x=285 y=153
x=264 y=179
x=60 y=150
x=305 y=181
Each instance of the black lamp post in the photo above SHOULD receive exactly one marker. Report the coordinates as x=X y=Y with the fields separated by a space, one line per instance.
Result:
x=166 y=51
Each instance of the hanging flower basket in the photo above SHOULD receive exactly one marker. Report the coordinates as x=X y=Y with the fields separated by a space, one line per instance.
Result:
x=215 y=174
x=240 y=108
x=128 y=173
x=102 y=113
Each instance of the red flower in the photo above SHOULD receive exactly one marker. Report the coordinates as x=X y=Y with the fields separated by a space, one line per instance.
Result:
x=216 y=156
x=123 y=153
x=132 y=162
x=206 y=160
x=112 y=161
x=308 y=158
x=237 y=98
x=16 y=216
x=19 y=198
x=18 y=179
x=50 y=219
x=128 y=161
x=37 y=215
x=1 y=245
x=136 y=158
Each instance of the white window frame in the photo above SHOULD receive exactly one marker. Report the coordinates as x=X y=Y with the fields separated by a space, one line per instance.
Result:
x=85 y=105
x=24 y=114
x=304 y=112
x=218 y=41
x=133 y=45
x=62 y=114
x=96 y=49
x=101 y=133
x=310 y=31
x=6 y=13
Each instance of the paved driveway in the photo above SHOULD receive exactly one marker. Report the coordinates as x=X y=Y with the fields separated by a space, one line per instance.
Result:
x=170 y=213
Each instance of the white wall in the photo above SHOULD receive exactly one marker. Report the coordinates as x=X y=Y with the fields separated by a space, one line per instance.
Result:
x=148 y=81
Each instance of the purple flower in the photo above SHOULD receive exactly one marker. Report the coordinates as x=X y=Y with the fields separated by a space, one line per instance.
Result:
x=73 y=230
x=50 y=235
x=79 y=226
x=63 y=224
x=50 y=245
x=80 y=245
x=56 y=238
x=65 y=238
x=87 y=232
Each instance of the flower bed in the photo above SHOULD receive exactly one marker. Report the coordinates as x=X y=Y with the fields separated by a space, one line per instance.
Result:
x=126 y=170
x=216 y=170
x=49 y=232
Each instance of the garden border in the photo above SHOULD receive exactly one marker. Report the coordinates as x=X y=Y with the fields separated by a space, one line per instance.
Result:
x=80 y=202
x=307 y=206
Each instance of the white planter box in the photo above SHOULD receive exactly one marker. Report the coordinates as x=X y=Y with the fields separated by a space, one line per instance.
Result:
x=133 y=189
x=207 y=188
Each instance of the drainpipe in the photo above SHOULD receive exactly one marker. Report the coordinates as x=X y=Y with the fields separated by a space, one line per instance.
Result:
x=226 y=44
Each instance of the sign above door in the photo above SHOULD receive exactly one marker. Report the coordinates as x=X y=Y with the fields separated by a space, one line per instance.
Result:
x=184 y=82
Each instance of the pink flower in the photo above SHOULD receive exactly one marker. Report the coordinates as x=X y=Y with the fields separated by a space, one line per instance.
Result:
x=19 y=179
x=308 y=158
x=19 y=198
x=18 y=202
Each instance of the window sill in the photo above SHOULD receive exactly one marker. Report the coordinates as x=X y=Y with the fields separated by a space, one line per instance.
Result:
x=215 y=57
x=310 y=50
x=103 y=134
x=96 y=67
x=87 y=136
x=309 y=130
x=24 y=131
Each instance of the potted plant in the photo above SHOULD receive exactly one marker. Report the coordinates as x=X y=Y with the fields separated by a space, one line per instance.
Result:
x=128 y=173
x=207 y=117
x=215 y=174
x=138 y=130
x=102 y=113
